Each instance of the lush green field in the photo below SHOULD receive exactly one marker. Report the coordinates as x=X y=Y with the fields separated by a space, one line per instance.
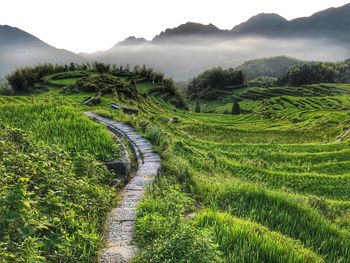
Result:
x=266 y=172
x=61 y=125
x=269 y=185
x=54 y=197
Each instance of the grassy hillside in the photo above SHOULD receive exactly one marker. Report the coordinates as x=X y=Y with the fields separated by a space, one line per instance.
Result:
x=277 y=168
x=271 y=184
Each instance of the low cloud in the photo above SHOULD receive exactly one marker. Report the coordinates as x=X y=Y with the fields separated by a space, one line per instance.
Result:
x=189 y=57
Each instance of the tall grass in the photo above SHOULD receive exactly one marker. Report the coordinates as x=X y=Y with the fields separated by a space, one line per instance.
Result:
x=61 y=125
x=50 y=211
x=243 y=241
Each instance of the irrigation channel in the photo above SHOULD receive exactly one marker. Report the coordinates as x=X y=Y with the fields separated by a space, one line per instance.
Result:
x=120 y=247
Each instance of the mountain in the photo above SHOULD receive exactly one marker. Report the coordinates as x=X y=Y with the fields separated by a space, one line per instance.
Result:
x=190 y=48
x=332 y=23
x=19 y=48
x=132 y=40
x=262 y=24
x=189 y=29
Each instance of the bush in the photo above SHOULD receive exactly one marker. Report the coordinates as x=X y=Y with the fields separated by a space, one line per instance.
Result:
x=106 y=83
x=48 y=212
x=236 y=108
x=5 y=90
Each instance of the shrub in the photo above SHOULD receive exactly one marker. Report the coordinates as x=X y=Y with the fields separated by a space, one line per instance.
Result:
x=236 y=108
x=106 y=83
x=48 y=212
x=5 y=90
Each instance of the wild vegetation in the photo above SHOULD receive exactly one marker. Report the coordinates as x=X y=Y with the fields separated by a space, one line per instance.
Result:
x=317 y=73
x=268 y=67
x=207 y=84
x=52 y=204
x=266 y=182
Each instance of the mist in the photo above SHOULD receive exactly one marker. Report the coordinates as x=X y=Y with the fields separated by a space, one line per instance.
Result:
x=184 y=58
x=181 y=58
x=20 y=55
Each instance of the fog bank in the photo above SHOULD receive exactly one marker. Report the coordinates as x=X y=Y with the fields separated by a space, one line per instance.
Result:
x=188 y=57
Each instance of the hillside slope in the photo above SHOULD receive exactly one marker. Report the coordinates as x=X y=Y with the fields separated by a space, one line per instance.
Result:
x=19 y=48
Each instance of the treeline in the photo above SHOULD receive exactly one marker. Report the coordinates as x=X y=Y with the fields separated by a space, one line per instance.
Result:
x=207 y=84
x=23 y=80
x=149 y=74
x=317 y=73
x=26 y=79
x=268 y=67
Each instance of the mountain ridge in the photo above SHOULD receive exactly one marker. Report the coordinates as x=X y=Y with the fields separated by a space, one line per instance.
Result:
x=330 y=22
x=198 y=45
x=19 y=48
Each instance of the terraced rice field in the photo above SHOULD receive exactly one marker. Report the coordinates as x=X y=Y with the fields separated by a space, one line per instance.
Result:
x=269 y=185
x=270 y=174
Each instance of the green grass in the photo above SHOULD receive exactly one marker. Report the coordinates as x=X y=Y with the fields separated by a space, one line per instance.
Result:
x=281 y=173
x=144 y=87
x=61 y=125
x=269 y=185
x=52 y=204
x=244 y=241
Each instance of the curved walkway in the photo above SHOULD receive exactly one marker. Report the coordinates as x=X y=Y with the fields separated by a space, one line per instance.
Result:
x=119 y=244
x=343 y=136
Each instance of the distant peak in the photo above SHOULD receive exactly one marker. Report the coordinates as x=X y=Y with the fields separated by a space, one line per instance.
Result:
x=196 y=26
x=132 y=40
x=14 y=35
x=189 y=28
x=264 y=16
x=260 y=23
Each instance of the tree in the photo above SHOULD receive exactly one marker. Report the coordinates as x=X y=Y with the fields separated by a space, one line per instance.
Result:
x=198 y=108
x=101 y=67
x=206 y=85
x=236 y=109
x=72 y=67
x=310 y=74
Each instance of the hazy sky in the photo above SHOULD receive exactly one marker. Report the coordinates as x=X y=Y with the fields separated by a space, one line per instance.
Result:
x=90 y=25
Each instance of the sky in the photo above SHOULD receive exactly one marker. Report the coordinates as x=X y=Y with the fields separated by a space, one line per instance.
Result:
x=90 y=25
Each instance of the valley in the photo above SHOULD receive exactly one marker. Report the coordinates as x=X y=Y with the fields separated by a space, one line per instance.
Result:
x=269 y=184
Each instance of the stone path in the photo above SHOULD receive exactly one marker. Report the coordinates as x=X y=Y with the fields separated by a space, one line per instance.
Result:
x=120 y=224
x=343 y=136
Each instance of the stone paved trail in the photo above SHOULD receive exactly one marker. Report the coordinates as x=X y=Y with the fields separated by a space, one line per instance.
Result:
x=343 y=136
x=119 y=244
